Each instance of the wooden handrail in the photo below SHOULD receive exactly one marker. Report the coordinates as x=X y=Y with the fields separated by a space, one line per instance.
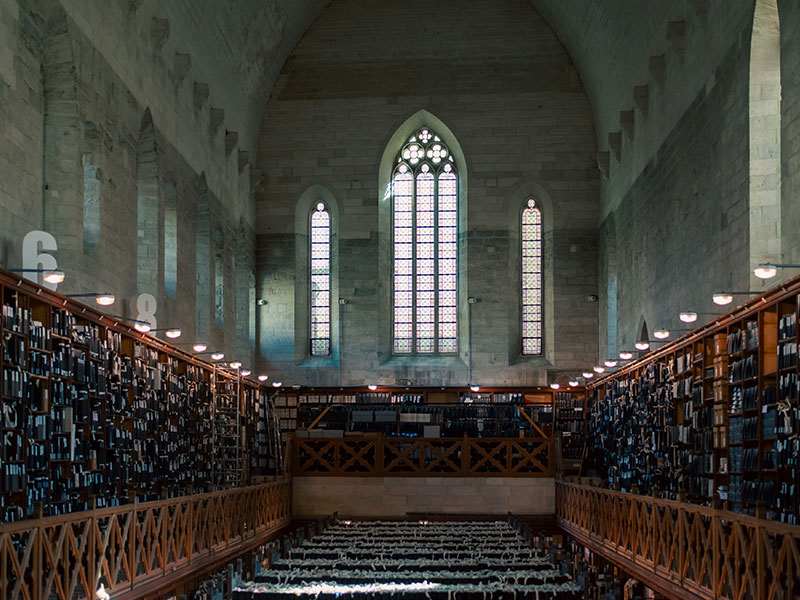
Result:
x=682 y=550
x=136 y=547
x=380 y=456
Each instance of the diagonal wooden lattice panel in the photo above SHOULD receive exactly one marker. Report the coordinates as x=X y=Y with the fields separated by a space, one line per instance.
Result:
x=684 y=550
x=67 y=557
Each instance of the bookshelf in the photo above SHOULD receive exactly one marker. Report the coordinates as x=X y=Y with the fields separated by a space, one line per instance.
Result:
x=713 y=416
x=94 y=414
x=570 y=425
x=421 y=412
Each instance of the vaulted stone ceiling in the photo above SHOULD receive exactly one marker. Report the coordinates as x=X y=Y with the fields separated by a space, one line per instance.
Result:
x=245 y=43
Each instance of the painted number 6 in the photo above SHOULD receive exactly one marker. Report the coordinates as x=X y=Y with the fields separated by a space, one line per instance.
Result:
x=35 y=247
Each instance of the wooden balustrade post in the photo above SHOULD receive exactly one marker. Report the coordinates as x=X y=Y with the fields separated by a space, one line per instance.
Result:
x=38 y=550
x=653 y=523
x=380 y=454
x=190 y=533
x=164 y=525
x=91 y=550
x=761 y=574
x=678 y=521
x=716 y=546
x=132 y=542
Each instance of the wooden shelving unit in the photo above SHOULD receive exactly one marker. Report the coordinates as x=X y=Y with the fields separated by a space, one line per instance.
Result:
x=405 y=411
x=570 y=426
x=712 y=416
x=94 y=414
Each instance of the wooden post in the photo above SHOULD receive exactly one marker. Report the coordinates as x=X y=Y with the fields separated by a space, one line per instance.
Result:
x=38 y=550
x=716 y=550
x=132 y=542
x=654 y=538
x=91 y=550
x=679 y=520
x=379 y=456
x=761 y=571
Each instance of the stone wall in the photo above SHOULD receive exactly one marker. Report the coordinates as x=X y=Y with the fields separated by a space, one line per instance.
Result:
x=676 y=189
x=106 y=135
x=395 y=497
x=502 y=85
x=790 y=131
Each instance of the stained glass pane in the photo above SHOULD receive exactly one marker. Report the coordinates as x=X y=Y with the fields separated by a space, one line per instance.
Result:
x=425 y=233
x=531 y=279
x=320 y=280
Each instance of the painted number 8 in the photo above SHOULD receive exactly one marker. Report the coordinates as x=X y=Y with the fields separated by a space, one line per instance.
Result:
x=146 y=305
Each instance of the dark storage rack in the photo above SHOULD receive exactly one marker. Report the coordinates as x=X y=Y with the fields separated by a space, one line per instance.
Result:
x=95 y=414
x=419 y=412
x=713 y=416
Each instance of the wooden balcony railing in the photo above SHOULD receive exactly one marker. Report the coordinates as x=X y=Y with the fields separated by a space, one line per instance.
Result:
x=423 y=457
x=683 y=550
x=132 y=549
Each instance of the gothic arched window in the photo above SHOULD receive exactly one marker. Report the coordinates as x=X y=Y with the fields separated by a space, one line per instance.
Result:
x=425 y=235
x=531 y=278
x=320 y=273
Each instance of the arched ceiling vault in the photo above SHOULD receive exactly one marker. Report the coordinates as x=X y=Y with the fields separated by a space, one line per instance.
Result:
x=240 y=46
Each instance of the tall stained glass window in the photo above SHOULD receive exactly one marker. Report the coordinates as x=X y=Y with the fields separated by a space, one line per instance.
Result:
x=320 y=281
x=425 y=236
x=531 y=278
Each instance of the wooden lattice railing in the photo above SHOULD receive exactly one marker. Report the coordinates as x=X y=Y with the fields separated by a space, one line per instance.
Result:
x=439 y=457
x=130 y=548
x=684 y=550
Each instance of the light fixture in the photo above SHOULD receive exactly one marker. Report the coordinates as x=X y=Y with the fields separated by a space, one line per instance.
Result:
x=102 y=298
x=642 y=345
x=769 y=270
x=199 y=347
x=261 y=302
x=475 y=388
x=217 y=356
x=766 y=271
x=610 y=363
x=140 y=326
x=235 y=364
x=50 y=275
x=573 y=383
x=725 y=298
x=625 y=355
x=588 y=374
x=722 y=299
x=554 y=385
x=276 y=384
x=263 y=377
x=171 y=332
x=688 y=317
x=661 y=334
x=372 y=387
x=105 y=299
x=245 y=372
x=599 y=369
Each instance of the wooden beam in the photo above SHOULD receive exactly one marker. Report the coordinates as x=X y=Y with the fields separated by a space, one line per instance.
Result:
x=532 y=422
x=319 y=418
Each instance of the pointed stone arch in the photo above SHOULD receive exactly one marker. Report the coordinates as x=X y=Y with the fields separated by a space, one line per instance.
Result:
x=202 y=219
x=62 y=200
x=394 y=142
x=147 y=208
x=765 y=138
